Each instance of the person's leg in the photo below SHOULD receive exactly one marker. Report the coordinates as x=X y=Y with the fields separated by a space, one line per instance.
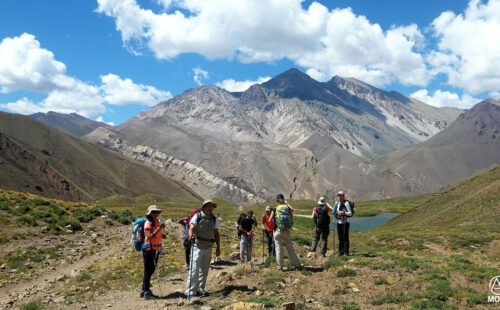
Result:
x=204 y=267
x=279 y=248
x=324 y=241
x=243 y=243
x=287 y=239
x=315 y=237
x=148 y=259
x=340 y=232
x=270 y=241
x=346 y=238
x=187 y=250
x=249 y=249
x=194 y=269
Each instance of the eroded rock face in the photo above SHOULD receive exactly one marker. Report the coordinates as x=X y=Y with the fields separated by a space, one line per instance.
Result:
x=201 y=181
x=51 y=182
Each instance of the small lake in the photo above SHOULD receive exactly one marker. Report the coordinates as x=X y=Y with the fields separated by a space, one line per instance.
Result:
x=359 y=223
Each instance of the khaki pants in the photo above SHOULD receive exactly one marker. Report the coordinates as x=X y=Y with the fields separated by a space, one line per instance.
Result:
x=198 y=270
x=245 y=248
x=280 y=238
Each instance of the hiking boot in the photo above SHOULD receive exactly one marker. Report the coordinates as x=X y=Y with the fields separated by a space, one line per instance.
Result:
x=311 y=254
x=202 y=293
x=141 y=294
x=149 y=295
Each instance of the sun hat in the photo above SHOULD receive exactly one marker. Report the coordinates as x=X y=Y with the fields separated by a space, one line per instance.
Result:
x=268 y=208
x=321 y=200
x=280 y=196
x=153 y=208
x=341 y=193
x=209 y=201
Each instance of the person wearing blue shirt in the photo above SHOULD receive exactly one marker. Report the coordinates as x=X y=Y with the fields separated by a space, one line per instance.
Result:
x=342 y=212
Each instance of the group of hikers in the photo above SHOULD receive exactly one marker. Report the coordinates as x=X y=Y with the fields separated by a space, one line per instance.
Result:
x=201 y=231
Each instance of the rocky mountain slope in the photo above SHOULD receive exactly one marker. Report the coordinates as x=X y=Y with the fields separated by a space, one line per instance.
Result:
x=73 y=123
x=37 y=158
x=467 y=146
x=279 y=136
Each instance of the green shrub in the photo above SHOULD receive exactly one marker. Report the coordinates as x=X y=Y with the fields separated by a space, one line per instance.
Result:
x=430 y=304
x=305 y=241
x=382 y=281
x=124 y=216
x=439 y=289
x=346 y=272
x=332 y=262
x=351 y=306
x=266 y=301
x=26 y=220
x=75 y=226
x=33 y=305
x=477 y=299
x=39 y=202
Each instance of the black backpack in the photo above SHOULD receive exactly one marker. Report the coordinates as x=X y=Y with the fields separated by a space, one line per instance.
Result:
x=351 y=204
x=321 y=217
x=240 y=219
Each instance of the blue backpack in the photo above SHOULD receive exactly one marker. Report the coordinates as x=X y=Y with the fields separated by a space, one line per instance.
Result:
x=138 y=237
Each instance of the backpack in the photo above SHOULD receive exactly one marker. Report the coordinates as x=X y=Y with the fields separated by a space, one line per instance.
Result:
x=350 y=204
x=352 y=207
x=284 y=217
x=138 y=236
x=321 y=217
x=240 y=219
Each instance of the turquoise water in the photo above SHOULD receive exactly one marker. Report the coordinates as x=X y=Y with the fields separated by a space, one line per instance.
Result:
x=368 y=222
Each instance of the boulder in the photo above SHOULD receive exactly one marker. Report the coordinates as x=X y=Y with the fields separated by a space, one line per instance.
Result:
x=245 y=306
x=289 y=306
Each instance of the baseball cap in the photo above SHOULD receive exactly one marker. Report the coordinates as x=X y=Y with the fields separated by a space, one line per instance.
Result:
x=250 y=212
x=268 y=208
x=341 y=193
x=280 y=196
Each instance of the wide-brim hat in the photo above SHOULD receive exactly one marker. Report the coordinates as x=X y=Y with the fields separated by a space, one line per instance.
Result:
x=209 y=201
x=153 y=208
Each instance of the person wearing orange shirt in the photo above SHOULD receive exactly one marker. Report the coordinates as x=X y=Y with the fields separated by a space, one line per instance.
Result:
x=268 y=226
x=153 y=231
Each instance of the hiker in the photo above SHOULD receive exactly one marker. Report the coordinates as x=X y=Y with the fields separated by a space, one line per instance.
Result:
x=186 y=243
x=203 y=232
x=245 y=233
x=343 y=212
x=321 y=226
x=284 y=220
x=268 y=226
x=151 y=249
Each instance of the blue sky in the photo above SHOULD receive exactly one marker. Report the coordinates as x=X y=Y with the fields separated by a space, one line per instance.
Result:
x=110 y=59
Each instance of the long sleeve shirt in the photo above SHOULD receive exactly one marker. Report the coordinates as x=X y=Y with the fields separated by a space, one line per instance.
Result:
x=344 y=218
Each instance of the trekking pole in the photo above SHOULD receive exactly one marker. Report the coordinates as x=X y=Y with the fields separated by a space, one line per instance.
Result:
x=158 y=271
x=190 y=271
x=263 y=232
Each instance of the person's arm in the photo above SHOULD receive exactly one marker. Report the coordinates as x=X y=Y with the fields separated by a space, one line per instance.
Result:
x=149 y=235
x=254 y=220
x=291 y=209
x=191 y=231
x=329 y=208
x=217 y=241
x=348 y=211
x=263 y=221
x=314 y=212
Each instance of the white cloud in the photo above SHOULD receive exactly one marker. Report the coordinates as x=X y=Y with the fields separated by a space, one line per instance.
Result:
x=237 y=86
x=471 y=41
x=122 y=92
x=24 y=65
x=199 y=76
x=445 y=99
x=325 y=42
x=100 y=119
